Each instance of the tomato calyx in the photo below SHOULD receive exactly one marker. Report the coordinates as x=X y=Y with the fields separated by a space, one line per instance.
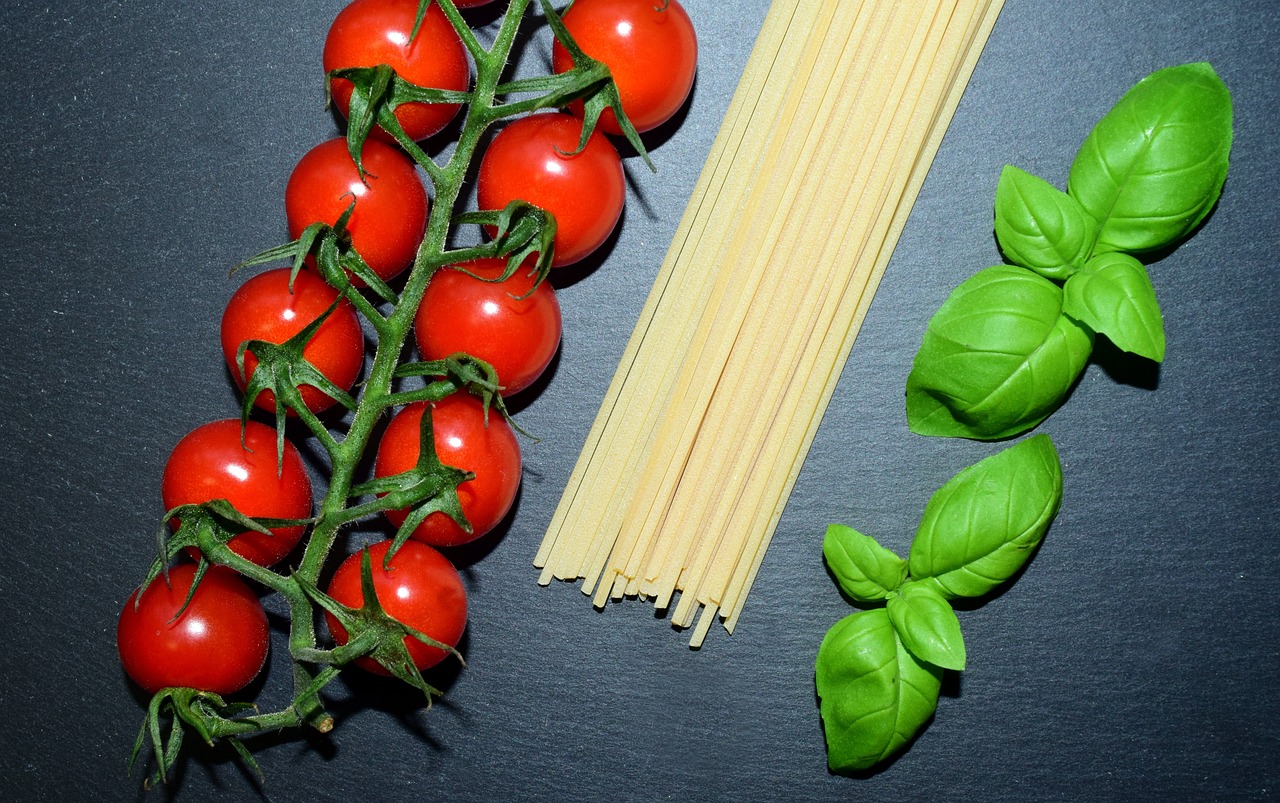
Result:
x=377 y=92
x=600 y=91
x=336 y=260
x=458 y=373
x=428 y=487
x=518 y=231
x=372 y=633
x=204 y=712
x=282 y=370
x=212 y=717
x=207 y=528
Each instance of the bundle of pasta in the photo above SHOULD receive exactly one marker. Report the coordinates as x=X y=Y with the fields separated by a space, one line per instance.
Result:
x=809 y=182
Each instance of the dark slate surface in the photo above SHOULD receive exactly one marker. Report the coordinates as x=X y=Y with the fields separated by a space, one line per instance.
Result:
x=144 y=151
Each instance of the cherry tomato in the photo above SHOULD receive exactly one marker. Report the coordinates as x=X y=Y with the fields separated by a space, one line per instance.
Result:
x=368 y=33
x=390 y=214
x=421 y=589
x=533 y=159
x=649 y=46
x=210 y=462
x=218 y=644
x=462 y=440
x=265 y=309
x=502 y=323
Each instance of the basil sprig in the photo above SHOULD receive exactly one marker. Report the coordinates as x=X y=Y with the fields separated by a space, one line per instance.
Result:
x=1002 y=352
x=878 y=671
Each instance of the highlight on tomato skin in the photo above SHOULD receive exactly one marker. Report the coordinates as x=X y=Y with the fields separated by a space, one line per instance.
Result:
x=389 y=218
x=650 y=48
x=501 y=322
x=462 y=440
x=211 y=462
x=536 y=159
x=368 y=33
x=264 y=308
x=218 y=644
x=420 y=589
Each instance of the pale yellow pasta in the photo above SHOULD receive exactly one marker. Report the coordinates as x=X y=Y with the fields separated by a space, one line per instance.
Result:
x=703 y=431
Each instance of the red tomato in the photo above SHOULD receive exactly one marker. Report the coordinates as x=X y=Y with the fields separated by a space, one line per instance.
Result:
x=390 y=214
x=649 y=46
x=211 y=463
x=533 y=159
x=515 y=331
x=421 y=589
x=368 y=33
x=265 y=309
x=462 y=440
x=218 y=644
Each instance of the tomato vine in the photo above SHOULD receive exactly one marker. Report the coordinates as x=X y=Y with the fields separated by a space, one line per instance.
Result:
x=275 y=375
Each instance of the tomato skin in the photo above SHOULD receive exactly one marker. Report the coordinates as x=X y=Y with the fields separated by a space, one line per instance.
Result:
x=390 y=215
x=263 y=308
x=533 y=159
x=368 y=33
x=650 y=47
x=218 y=645
x=515 y=331
x=210 y=463
x=462 y=440
x=421 y=589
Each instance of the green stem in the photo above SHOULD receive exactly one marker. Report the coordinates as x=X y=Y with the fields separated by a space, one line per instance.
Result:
x=392 y=330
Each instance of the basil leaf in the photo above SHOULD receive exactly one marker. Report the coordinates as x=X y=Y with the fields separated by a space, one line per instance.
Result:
x=927 y=625
x=865 y=570
x=875 y=695
x=1113 y=296
x=981 y=526
x=996 y=359
x=1154 y=165
x=1040 y=227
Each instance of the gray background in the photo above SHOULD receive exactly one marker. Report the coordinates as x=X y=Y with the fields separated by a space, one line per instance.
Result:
x=144 y=150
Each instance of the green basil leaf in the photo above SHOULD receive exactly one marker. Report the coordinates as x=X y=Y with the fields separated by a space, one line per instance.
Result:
x=927 y=625
x=875 y=695
x=1114 y=296
x=1040 y=227
x=1154 y=165
x=865 y=570
x=996 y=358
x=985 y=522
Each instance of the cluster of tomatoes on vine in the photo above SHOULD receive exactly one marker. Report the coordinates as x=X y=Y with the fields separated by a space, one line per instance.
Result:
x=295 y=344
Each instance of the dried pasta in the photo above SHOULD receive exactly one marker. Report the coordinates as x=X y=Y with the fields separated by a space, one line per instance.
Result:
x=720 y=390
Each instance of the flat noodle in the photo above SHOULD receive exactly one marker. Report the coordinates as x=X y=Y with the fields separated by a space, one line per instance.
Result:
x=982 y=20
x=591 y=492
x=702 y=433
x=747 y=412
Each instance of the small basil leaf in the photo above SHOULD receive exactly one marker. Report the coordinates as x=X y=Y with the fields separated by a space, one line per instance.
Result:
x=927 y=625
x=1040 y=227
x=1154 y=165
x=875 y=695
x=996 y=358
x=985 y=522
x=1113 y=296
x=865 y=570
